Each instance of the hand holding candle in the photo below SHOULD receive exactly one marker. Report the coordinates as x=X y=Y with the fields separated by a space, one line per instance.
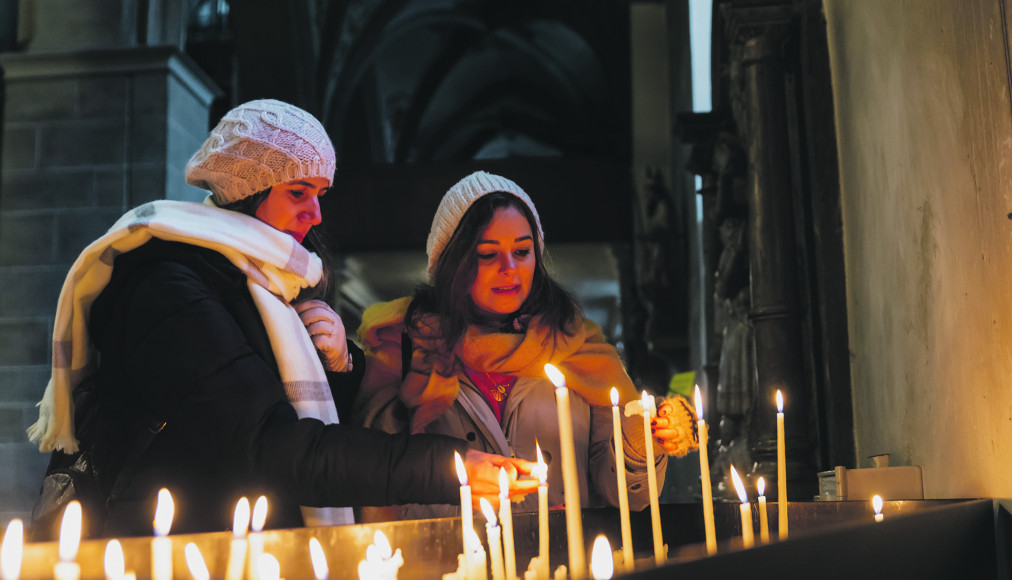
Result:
x=623 y=488
x=542 y=568
x=747 y=537
x=764 y=522
x=704 y=479
x=70 y=539
x=781 y=469
x=11 y=550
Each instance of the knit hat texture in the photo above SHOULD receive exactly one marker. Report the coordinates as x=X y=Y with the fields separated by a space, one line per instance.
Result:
x=258 y=145
x=456 y=203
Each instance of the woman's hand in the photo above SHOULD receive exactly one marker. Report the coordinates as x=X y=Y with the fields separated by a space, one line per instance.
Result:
x=327 y=333
x=483 y=476
x=675 y=426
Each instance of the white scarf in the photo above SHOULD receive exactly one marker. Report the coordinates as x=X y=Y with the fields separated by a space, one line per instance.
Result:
x=276 y=267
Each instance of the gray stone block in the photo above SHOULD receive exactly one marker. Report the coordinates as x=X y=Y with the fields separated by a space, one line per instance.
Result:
x=26 y=238
x=105 y=96
x=47 y=190
x=84 y=143
x=12 y=422
x=147 y=139
x=24 y=342
x=110 y=188
x=42 y=100
x=30 y=290
x=19 y=147
x=21 y=477
x=75 y=230
x=24 y=384
x=149 y=94
x=147 y=183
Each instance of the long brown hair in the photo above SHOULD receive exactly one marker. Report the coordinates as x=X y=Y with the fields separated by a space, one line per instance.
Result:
x=448 y=294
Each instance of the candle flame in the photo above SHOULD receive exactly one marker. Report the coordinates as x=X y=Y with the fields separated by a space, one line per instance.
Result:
x=698 y=399
x=614 y=397
x=379 y=540
x=602 y=562
x=259 y=515
x=780 y=401
x=11 y=550
x=269 y=567
x=486 y=508
x=165 y=509
x=70 y=532
x=555 y=375
x=876 y=503
x=240 y=521
x=115 y=567
x=195 y=562
x=542 y=467
x=761 y=486
x=649 y=407
x=319 y=559
x=739 y=486
x=461 y=472
x=504 y=485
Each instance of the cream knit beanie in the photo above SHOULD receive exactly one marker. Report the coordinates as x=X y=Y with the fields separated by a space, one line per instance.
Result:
x=456 y=203
x=258 y=145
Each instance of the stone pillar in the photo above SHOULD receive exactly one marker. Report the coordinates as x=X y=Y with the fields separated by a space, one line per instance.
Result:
x=86 y=136
x=757 y=35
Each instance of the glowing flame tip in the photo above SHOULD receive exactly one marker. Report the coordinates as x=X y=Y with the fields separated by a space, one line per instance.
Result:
x=739 y=486
x=318 y=558
x=461 y=472
x=699 y=404
x=486 y=508
x=602 y=562
x=876 y=503
x=780 y=401
x=761 y=486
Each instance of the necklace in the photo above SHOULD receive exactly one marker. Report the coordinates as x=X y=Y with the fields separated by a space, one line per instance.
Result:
x=499 y=391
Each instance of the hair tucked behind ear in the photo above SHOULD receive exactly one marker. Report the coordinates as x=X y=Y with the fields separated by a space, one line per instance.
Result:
x=448 y=294
x=314 y=242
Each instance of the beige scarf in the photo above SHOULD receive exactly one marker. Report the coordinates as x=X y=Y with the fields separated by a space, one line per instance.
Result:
x=590 y=365
x=276 y=268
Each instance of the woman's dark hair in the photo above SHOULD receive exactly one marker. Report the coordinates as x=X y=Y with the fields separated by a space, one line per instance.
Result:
x=448 y=295
x=314 y=241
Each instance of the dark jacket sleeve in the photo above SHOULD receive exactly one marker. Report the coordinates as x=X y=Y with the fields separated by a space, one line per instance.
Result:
x=186 y=353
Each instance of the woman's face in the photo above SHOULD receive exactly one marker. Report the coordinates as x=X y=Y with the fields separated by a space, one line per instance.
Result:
x=294 y=206
x=506 y=263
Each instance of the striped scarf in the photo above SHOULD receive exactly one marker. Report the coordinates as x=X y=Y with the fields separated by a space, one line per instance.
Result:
x=276 y=267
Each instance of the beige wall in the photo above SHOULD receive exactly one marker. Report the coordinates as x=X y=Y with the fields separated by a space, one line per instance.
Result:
x=924 y=125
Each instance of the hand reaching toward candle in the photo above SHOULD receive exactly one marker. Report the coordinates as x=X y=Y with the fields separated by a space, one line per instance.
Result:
x=327 y=333
x=483 y=476
x=675 y=426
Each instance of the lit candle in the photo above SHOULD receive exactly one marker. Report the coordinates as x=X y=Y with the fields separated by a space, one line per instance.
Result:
x=161 y=545
x=115 y=567
x=506 y=517
x=649 y=411
x=381 y=562
x=704 y=477
x=255 y=547
x=542 y=567
x=494 y=540
x=475 y=557
x=570 y=479
x=466 y=515
x=747 y=537
x=876 y=504
x=320 y=569
x=623 y=491
x=11 y=550
x=195 y=562
x=268 y=567
x=781 y=469
x=70 y=539
x=602 y=567
x=237 y=551
x=764 y=522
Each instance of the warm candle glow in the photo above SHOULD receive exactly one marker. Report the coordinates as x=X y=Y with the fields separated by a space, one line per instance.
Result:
x=698 y=399
x=115 y=567
x=780 y=401
x=764 y=521
x=165 y=509
x=876 y=503
x=614 y=397
x=319 y=559
x=488 y=510
x=650 y=411
x=761 y=486
x=461 y=472
x=383 y=549
x=240 y=521
x=70 y=532
x=269 y=567
x=739 y=486
x=504 y=484
x=195 y=562
x=602 y=563
x=555 y=375
x=10 y=552
x=541 y=471
x=259 y=517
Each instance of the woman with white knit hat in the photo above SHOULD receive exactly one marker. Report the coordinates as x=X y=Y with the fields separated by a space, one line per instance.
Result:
x=199 y=365
x=465 y=355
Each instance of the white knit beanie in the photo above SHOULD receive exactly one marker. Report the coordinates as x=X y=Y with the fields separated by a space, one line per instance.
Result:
x=456 y=203
x=258 y=145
